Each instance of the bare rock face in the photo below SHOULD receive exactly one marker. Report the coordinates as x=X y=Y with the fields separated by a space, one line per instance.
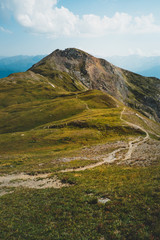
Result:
x=134 y=90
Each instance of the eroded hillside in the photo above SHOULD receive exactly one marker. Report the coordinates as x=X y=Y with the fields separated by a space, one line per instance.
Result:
x=134 y=90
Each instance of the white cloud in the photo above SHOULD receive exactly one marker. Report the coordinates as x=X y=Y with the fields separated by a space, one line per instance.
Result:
x=146 y=24
x=136 y=51
x=94 y=25
x=43 y=16
x=143 y=53
x=5 y=30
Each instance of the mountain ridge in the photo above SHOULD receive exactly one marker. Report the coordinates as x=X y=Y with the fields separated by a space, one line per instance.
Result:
x=72 y=70
x=70 y=152
x=134 y=90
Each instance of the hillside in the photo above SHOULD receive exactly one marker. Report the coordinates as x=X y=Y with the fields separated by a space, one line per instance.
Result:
x=62 y=94
x=72 y=148
x=134 y=90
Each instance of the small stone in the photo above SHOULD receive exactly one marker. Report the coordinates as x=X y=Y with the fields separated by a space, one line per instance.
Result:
x=103 y=200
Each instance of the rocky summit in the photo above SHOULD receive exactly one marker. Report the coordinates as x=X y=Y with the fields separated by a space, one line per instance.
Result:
x=70 y=99
x=136 y=91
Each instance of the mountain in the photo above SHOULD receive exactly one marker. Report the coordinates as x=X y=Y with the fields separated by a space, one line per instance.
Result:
x=136 y=91
x=72 y=148
x=79 y=97
x=153 y=71
x=146 y=66
x=66 y=83
x=9 y=65
x=60 y=76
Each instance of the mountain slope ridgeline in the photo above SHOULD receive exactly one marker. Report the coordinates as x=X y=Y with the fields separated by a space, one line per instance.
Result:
x=141 y=93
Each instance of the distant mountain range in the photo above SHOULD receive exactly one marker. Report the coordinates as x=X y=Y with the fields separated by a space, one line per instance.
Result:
x=15 y=64
x=146 y=66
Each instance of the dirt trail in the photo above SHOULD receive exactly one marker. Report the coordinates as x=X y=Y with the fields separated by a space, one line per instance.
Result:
x=46 y=181
x=109 y=159
x=132 y=124
x=39 y=181
x=143 y=119
x=134 y=143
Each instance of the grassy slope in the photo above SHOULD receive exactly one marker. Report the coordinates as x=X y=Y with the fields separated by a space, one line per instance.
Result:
x=28 y=87
x=73 y=212
x=39 y=131
x=140 y=93
x=45 y=125
x=144 y=92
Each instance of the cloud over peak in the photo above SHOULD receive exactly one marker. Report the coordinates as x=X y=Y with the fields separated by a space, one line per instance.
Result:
x=45 y=17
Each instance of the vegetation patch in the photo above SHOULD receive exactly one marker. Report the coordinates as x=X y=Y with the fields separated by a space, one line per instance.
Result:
x=74 y=212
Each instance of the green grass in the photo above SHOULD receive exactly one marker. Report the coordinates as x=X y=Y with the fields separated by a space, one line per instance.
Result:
x=73 y=212
x=26 y=116
x=97 y=99
x=24 y=151
x=40 y=125
x=39 y=132
x=27 y=87
x=59 y=78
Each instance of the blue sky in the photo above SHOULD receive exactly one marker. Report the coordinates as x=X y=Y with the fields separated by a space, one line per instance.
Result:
x=100 y=27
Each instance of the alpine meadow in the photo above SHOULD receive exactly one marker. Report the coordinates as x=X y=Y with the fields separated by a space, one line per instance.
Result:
x=79 y=120
x=79 y=151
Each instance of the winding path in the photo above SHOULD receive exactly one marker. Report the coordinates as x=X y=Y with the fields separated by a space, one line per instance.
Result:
x=143 y=119
x=44 y=180
x=111 y=158
x=132 y=145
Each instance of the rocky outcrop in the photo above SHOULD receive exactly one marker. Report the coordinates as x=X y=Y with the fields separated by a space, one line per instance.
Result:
x=134 y=90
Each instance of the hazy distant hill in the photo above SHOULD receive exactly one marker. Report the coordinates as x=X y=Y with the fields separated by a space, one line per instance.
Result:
x=146 y=66
x=15 y=64
x=154 y=71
